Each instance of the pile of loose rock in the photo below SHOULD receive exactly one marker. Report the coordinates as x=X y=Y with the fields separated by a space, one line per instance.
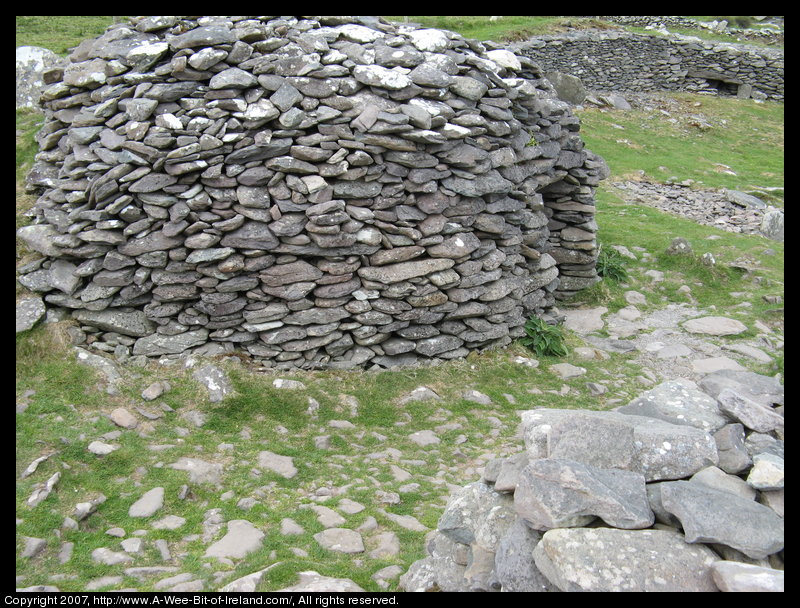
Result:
x=680 y=490
x=730 y=210
x=329 y=191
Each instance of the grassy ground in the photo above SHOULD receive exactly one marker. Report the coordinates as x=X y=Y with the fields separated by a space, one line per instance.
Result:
x=63 y=405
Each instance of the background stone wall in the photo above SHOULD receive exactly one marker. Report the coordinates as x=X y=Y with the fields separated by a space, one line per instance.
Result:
x=326 y=192
x=654 y=63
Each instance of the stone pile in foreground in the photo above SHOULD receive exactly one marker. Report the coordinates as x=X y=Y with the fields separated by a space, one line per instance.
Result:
x=322 y=192
x=680 y=490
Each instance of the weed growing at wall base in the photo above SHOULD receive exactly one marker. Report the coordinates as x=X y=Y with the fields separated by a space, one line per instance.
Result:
x=544 y=339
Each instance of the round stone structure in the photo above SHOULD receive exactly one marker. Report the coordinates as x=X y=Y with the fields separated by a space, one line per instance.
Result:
x=314 y=191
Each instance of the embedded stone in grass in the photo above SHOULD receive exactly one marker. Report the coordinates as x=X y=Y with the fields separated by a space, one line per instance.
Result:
x=199 y=471
x=290 y=527
x=100 y=448
x=155 y=390
x=148 y=504
x=106 y=556
x=282 y=465
x=216 y=382
x=567 y=370
x=170 y=522
x=421 y=393
x=340 y=540
x=287 y=384
x=715 y=326
x=315 y=582
x=424 y=438
x=241 y=539
x=122 y=417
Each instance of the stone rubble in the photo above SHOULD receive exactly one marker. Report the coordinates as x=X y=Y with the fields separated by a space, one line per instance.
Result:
x=327 y=192
x=631 y=499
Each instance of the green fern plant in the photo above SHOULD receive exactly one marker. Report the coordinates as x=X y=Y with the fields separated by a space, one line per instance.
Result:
x=544 y=339
x=610 y=265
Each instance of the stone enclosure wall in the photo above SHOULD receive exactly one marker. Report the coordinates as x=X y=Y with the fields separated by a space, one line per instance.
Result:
x=654 y=63
x=316 y=192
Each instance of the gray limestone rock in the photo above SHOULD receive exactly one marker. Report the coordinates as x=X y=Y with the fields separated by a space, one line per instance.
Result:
x=657 y=449
x=29 y=312
x=282 y=465
x=314 y=582
x=606 y=559
x=515 y=568
x=199 y=470
x=739 y=577
x=753 y=415
x=241 y=539
x=678 y=402
x=553 y=493
x=340 y=540
x=709 y=515
x=148 y=504
x=216 y=382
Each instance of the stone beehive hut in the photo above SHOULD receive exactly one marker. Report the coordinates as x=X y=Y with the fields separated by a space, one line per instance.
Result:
x=327 y=191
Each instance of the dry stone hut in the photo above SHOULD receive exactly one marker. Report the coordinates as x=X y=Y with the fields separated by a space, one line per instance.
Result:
x=314 y=191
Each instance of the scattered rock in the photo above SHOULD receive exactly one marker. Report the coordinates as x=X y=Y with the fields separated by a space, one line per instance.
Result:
x=715 y=326
x=241 y=539
x=313 y=582
x=122 y=417
x=282 y=465
x=148 y=504
x=340 y=540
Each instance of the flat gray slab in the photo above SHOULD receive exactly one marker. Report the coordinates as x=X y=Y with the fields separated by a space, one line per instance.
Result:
x=709 y=515
x=606 y=559
x=553 y=493
x=241 y=539
x=612 y=440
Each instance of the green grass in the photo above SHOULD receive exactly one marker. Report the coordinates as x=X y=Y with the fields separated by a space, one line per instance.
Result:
x=60 y=33
x=745 y=136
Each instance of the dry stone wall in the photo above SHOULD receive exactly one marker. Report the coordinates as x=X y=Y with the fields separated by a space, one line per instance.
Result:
x=676 y=63
x=327 y=191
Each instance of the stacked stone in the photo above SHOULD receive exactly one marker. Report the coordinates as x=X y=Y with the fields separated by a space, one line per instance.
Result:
x=680 y=490
x=655 y=63
x=314 y=191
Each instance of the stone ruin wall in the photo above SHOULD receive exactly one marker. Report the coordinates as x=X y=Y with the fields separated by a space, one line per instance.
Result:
x=316 y=192
x=653 y=63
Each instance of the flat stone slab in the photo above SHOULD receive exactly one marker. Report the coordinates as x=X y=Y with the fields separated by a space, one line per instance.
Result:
x=199 y=471
x=216 y=382
x=709 y=515
x=340 y=540
x=282 y=465
x=554 y=493
x=714 y=326
x=753 y=415
x=607 y=559
x=148 y=504
x=585 y=320
x=762 y=389
x=241 y=539
x=314 y=582
x=611 y=440
x=678 y=402
x=739 y=577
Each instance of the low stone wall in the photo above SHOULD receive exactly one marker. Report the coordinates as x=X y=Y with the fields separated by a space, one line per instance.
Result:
x=315 y=192
x=680 y=490
x=653 y=63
